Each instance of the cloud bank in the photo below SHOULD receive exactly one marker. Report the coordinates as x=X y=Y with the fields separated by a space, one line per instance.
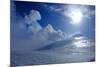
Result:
x=32 y=35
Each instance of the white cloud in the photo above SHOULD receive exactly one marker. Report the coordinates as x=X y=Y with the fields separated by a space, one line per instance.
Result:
x=42 y=38
x=48 y=33
x=38 y=37
x=31 y=21
x=53 y=34
x=34 y=15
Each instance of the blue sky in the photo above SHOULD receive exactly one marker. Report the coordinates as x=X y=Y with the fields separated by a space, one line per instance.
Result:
x=58 y=16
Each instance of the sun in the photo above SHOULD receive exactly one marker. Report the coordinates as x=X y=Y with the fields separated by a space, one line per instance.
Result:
x=76 y=16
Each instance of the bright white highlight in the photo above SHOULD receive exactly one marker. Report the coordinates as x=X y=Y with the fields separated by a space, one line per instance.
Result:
x=80 y=43
x=76 y=16
x=78 y=38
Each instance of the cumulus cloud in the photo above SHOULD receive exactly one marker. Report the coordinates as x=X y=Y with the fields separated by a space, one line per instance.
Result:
x=46 y=33
x=53 y=34
x=31 y=21
x=46 y=36
x=32 y=35
x=42 y=38
x=34 y=15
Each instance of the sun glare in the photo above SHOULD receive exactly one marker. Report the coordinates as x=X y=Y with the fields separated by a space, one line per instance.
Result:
x=76 y=16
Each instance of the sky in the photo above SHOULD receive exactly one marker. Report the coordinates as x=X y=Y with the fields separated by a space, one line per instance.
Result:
x=41 y=26
x=69 y=18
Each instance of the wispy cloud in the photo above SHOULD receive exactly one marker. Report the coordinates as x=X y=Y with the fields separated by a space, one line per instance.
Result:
x=66 y=9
